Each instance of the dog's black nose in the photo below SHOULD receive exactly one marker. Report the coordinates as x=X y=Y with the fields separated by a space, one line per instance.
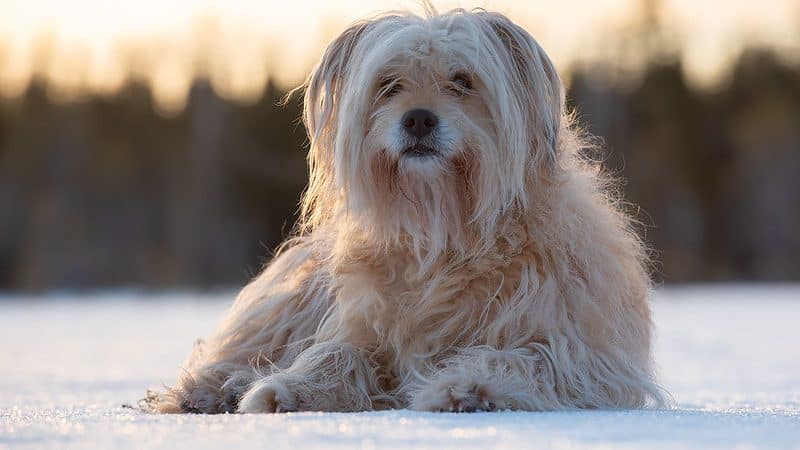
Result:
x=419 y=122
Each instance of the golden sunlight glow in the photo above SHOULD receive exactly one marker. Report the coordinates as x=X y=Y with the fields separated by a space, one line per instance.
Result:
x=82 y=46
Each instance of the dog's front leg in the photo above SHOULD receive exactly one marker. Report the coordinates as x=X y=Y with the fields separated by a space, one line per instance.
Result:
x=325 y=377
x=484 y=379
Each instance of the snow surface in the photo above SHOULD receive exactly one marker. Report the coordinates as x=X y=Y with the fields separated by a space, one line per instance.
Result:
x=729 y=355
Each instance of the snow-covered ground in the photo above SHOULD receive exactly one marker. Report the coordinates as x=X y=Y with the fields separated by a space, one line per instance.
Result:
x=729 y=355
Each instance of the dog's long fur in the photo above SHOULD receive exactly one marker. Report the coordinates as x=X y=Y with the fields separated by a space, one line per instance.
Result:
x=499 y=273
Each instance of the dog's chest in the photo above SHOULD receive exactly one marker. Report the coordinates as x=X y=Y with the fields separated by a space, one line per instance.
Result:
x=420 y=314
x=414 y=312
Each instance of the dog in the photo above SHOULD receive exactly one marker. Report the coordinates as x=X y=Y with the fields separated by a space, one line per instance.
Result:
x=457 y=250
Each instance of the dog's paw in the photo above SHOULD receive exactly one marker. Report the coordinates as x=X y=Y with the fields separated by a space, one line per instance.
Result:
x=268 y=395
x=233 y=389
x=457 y=397
x=200 y=400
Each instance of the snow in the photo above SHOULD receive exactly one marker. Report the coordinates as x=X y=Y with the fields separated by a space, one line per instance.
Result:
x=728 y=354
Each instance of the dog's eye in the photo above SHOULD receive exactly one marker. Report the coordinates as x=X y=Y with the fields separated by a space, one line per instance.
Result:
x=389 y=87
x=461 y=83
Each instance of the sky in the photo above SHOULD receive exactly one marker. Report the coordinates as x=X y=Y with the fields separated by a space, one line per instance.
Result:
x=96 y=46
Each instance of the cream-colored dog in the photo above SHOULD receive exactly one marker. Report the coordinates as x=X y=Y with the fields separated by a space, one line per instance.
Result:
x=456 y=252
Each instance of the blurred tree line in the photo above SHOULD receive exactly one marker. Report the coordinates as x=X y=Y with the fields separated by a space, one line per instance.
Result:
x=104 y=192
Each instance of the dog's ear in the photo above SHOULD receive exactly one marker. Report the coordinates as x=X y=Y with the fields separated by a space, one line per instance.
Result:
x=535 y=79
x=323 y=93
x=325 y=84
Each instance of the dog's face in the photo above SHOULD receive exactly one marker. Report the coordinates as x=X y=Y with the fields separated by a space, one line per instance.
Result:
x=425 y=125
x=427 y=113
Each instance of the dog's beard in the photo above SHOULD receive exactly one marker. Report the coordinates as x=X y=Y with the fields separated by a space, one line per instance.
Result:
x=417 y=197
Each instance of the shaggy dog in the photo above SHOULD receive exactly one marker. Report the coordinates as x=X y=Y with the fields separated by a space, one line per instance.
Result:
x=456 y=251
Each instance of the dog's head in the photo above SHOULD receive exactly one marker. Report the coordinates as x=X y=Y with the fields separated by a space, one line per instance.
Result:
x=426 y=126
